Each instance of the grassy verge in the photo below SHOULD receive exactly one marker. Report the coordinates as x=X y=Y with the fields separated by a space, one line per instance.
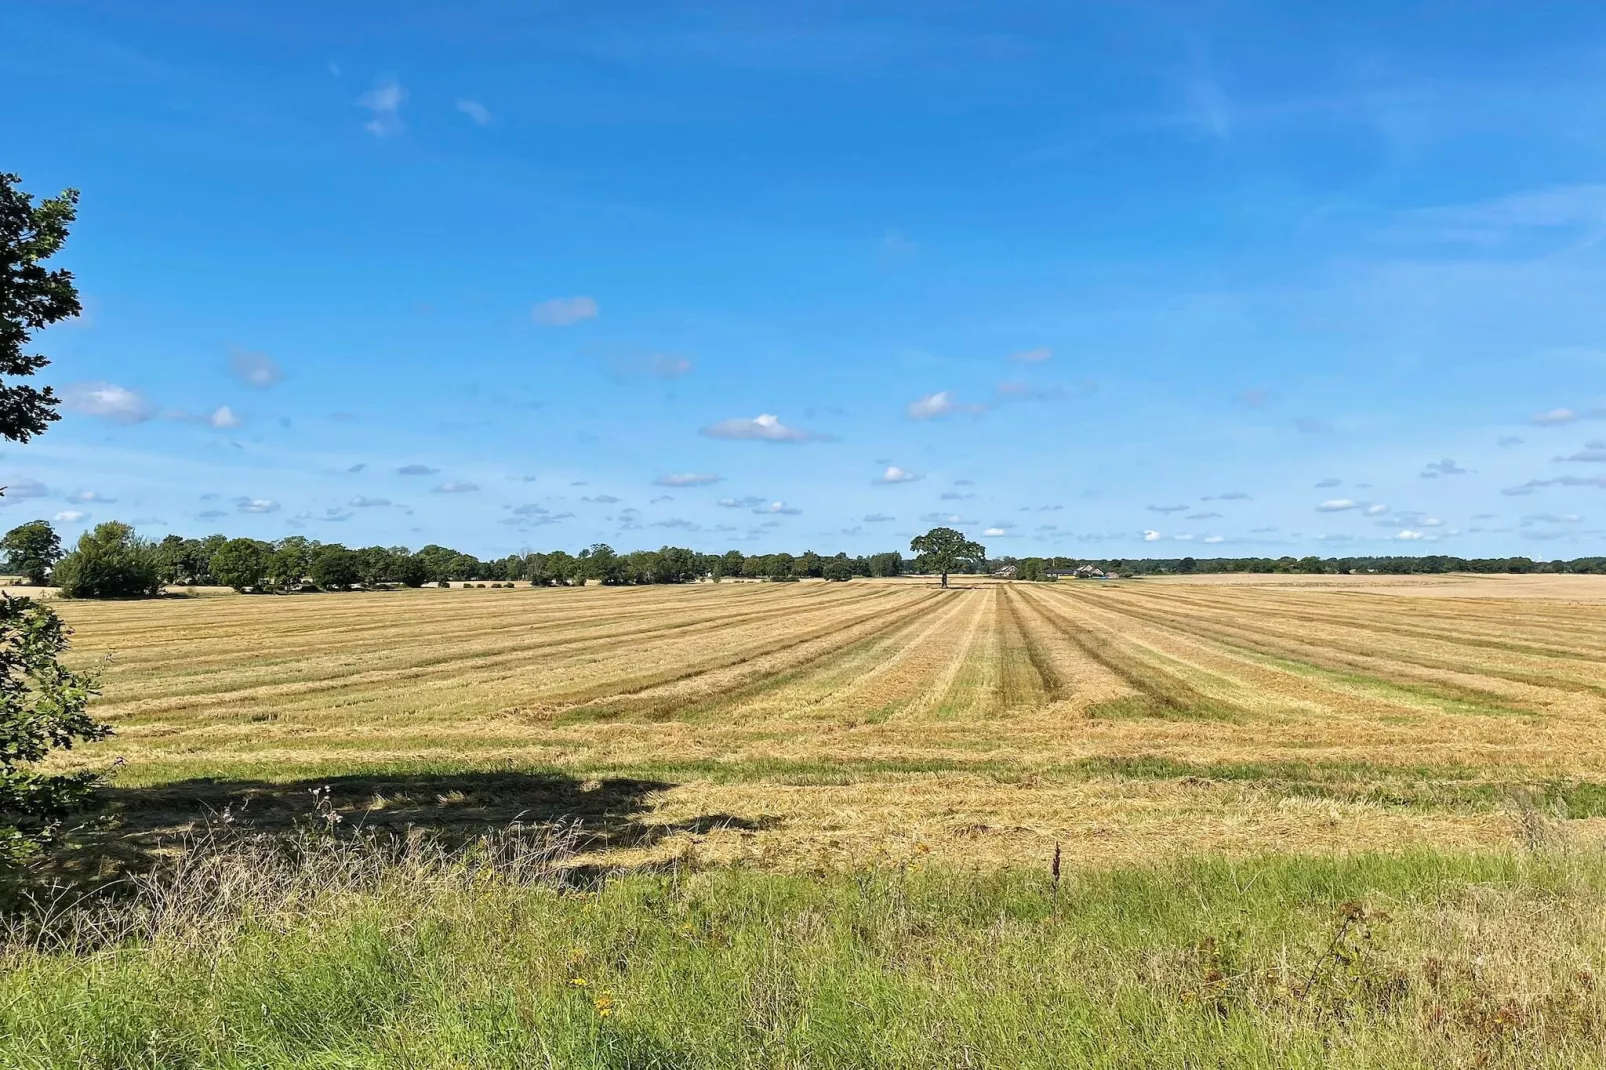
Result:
x=396 y=953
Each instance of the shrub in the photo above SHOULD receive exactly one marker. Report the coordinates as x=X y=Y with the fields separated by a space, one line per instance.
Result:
x=110 y=562
x=42 y=707
x=443 y=583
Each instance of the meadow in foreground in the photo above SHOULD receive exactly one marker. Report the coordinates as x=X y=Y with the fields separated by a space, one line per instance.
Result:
x=373 y=953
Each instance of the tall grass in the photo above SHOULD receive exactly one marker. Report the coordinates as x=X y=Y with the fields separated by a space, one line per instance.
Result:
x=384 y=952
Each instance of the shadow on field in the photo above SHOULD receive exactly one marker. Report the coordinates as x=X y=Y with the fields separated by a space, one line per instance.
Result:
x=134 y=827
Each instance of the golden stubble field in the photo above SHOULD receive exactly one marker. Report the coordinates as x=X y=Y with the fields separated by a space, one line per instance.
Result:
x=803 y=725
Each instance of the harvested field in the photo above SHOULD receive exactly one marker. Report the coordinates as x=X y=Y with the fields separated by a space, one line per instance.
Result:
x=819 y=725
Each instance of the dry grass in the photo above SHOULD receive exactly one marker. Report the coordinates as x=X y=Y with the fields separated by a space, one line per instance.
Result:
x=805 y=724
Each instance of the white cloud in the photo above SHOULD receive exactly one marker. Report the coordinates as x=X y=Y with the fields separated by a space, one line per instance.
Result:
x=941 y=403
x=1554 y=417
x=686 y=479
x=1335 y=505
x=455 y=487
x=108 y=401
x=361 y=502
x=1033 y=356
x=1166 y=508
x=995 y=532
x=1324 y=484
x=70 y=516
x=476 y=111
x=778 y=508
x=740 y=503
x=1376 y=509
x=223 y=418
x=256 y=370
x=86 y=497
x=1594 y=452
x=1411 y=536
x=765 y=427
x=1151 y=536
x=878 y=518
x=564 y=311
x=1214 y=538
x=894 y=474
x=256 y=505
x=384 y=101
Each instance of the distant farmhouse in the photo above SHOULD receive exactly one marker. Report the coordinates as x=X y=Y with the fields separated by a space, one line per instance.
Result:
x=1083 y=572
x=1005 y=573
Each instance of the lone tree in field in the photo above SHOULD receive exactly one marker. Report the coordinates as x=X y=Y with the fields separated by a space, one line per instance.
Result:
x=944 y=550
x=42 y=705
x=32 y=550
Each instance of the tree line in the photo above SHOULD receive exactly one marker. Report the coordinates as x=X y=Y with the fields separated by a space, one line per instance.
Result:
x=1036 y=568
x=112 y=561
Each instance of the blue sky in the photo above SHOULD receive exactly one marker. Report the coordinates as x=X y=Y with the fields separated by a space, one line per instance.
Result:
x=1100 y=280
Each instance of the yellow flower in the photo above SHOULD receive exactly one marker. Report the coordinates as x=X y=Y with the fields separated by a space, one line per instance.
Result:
x=578 y=982
x=604 y=1005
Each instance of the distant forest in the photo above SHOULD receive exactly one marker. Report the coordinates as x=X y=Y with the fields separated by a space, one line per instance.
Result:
x=112 y=561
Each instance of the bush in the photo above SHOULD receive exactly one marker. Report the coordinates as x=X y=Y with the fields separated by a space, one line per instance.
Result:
x=443 y=583
x=110 y=562
x=42 y=707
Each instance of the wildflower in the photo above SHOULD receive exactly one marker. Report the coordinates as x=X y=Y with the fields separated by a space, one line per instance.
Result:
x=604 y=1005
x=578 y=982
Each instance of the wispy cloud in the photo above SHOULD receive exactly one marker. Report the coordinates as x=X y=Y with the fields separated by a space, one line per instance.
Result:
x=476 y=111
x=384 y=103
x=740 y=503
x=455 y=487
x=224 y=418
x=71 y=516
x=1445 y=467
x=1336 y=505
x=256 y=505
x=1594 y=452
x=1167 y=508
x=1560 y=481
x=765 y=427
x=564 y=311
x=108 y=401
x=416 y=470
x=942 y=403
x=361 y=502
x=878 y=518
x=778 y=509
x=1032 y=356
x=686 y=479
x=24 y=488
x=1229 y=496
x=256 y=370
